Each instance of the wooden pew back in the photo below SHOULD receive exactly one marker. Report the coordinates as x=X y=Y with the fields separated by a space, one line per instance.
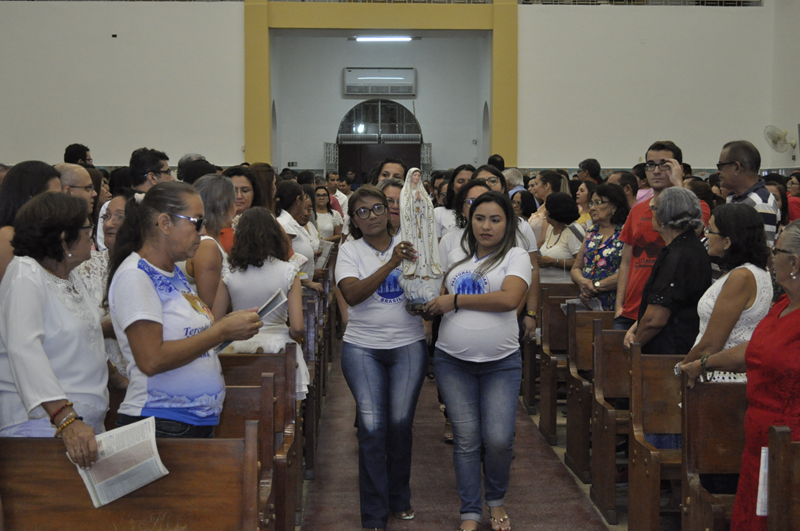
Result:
x=611 y=363
x=713 y=442
x=212 y=484
x=783 y=504
x=580 y=346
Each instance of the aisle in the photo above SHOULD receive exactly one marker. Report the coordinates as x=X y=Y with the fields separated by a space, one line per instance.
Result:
x=542 y=495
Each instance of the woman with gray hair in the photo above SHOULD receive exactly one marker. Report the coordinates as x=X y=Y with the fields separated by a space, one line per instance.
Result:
x=204 y=271
x=668 y=322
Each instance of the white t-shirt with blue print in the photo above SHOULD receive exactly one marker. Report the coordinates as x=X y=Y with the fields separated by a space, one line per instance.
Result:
x=381 y=321
x=193 y=393
x=477 y=336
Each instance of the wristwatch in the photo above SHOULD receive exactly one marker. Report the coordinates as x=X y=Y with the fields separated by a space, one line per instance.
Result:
x=596 y=285
x=530 y=313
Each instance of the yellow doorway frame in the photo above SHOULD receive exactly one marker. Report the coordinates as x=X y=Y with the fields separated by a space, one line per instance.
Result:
x=261 y=15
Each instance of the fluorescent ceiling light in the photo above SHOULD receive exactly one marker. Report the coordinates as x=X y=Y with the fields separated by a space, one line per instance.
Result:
x=377 y=77
x=383 y=39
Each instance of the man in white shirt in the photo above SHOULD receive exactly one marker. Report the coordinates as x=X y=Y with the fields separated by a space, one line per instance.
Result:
x=332 y=181
x=75 y=180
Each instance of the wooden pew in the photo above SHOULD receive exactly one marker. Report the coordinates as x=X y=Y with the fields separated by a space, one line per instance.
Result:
x=580 y=363
x=212 y=484
x=783 y=504
x=553 y=362
x=713 y=442
x=655 y=408
x=246 y=370
x=531 y=352
x=611 y=381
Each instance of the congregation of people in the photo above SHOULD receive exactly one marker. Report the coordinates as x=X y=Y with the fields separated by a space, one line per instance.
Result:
x=131 y=279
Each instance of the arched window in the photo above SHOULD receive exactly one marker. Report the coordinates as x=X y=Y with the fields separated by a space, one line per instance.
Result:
x=379 y=121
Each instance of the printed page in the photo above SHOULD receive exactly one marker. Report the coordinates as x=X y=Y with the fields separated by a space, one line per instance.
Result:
x=322 y=259
x=763 y=483
x=127 y=460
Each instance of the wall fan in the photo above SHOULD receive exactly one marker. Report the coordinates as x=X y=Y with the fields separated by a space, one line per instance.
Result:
x=778 y=139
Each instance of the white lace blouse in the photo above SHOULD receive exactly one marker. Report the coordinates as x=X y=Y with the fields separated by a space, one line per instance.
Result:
x=51 y=346
x=748 y=320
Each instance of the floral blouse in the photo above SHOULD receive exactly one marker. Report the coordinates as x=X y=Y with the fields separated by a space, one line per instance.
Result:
x=601 y=259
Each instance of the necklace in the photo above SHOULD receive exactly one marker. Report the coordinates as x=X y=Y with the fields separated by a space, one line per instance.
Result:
x=548 y=245
x=381 y=254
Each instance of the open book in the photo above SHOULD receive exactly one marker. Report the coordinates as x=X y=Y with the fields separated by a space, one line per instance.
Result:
x=322 y=260
x=127 y=460
x=272 y=304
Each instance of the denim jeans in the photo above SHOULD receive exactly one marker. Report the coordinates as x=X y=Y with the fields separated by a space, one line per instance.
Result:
x=385 y=384
x=623 y=323
x=172 y=429
x=481 y=401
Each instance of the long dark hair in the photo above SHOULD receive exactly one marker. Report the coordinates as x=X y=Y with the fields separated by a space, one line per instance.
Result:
x=328 y=204
x=164 y=198
x=255 y=184
x=258 y=237
x=469 y=243
x=743 y=226
x=451 y=194
x=288 y=192
x=22 y=182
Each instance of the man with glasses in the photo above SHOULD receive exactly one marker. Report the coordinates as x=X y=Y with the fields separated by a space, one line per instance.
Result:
x=642 y=243
x=78 y=154
x=589 y=170
x=149 y=167
x=738 y=167
x=76 y=181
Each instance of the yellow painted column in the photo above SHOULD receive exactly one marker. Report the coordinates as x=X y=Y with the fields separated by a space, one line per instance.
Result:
x=257 y=94
x=504 y=80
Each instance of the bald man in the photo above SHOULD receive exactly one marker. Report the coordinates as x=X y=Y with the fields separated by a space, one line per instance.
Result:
x=76 y=181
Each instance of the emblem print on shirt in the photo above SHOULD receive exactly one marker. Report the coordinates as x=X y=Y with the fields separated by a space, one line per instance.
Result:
x=469 y=283
x=390 y=292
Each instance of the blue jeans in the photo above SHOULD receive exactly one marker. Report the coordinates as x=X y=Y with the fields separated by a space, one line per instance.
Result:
x=623 y=323
x=385 y=384
x=171 y=429
x=481 y=401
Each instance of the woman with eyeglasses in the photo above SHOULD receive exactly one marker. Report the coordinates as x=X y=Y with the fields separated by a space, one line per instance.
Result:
x=53 y=372
x=166 y=332
x=477 y=363
x=384 y=357
x=771 y=358
x=329 y=221
x=290 y=206
x=392 y=189
x=732 y=307
x=668 y=322
x=493 y=177
x=94 y=274
x=524 y=204
x=597 y=263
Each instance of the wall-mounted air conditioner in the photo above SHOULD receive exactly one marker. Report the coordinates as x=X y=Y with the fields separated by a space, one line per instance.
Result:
x=379 y=82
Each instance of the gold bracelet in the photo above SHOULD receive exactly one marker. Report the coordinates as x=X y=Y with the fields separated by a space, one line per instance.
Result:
x=64 y=425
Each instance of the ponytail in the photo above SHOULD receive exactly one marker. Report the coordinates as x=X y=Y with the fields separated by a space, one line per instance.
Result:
x=140 y=213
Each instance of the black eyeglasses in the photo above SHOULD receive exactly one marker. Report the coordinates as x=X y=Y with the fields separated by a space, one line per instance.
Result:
x=708 y=231
x=321 y=196
x=491 y=180
x=721 y=165
x=198 y=222
x=89 y=188
x=364 y=212
x=650 y=166
x=776 y=250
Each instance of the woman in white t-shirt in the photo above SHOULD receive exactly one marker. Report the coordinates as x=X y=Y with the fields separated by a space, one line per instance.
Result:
x=564 y=237
x=166 y=333
x=53 y=371
x=255 y=271
x=290 y=205
x=525 y=240
x=204 y=270
x=478 y=364
x=329 y=221
x=384 y=357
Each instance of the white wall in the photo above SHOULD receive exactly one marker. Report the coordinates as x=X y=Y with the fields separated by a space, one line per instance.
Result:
x=786 y=78
x=306 y=69
x=173 y=79
x=606 y=81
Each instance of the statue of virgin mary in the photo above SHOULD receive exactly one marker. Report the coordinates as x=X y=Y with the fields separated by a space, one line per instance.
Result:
x=421 y=280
